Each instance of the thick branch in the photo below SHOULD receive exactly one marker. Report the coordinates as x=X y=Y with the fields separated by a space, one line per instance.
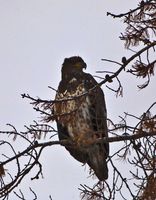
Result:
x=69 y=142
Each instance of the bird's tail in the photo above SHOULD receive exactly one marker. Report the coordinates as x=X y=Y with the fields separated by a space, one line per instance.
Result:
x=97 y=161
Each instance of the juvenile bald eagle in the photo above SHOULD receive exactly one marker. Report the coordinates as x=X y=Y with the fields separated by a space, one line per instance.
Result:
x=81 y=116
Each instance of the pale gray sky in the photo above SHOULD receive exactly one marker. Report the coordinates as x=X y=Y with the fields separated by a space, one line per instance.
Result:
x=35 y=37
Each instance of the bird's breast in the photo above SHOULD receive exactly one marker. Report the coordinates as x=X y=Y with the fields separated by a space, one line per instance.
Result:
x=72 y=111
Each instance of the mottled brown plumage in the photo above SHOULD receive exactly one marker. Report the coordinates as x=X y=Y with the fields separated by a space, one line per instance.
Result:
x=82 y=118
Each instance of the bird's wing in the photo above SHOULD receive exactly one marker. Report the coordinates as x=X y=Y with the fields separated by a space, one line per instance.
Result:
x=97 y=108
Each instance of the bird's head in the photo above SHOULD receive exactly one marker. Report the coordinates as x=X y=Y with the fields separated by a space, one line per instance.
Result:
x=73 y=65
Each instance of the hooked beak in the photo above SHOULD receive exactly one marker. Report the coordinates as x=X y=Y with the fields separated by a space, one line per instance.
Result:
x=85 y=65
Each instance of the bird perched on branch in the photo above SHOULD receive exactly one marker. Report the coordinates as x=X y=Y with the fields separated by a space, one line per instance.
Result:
x=80 y=114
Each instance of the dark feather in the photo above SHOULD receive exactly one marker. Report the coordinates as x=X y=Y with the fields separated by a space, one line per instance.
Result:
x=86 y=119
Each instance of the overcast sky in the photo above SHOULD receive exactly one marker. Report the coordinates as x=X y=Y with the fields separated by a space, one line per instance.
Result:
x=35 y=37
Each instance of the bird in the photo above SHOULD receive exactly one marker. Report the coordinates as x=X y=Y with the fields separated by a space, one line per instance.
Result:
x=81 y=116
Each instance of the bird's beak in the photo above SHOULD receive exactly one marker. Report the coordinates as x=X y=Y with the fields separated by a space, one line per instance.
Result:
x=85 y=66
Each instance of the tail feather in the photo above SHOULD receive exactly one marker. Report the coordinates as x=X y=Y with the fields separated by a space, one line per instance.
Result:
x=97 y=161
